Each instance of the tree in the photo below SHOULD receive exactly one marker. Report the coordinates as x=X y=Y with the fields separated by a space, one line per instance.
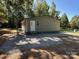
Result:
x=53 y=12
x=44 y=8
x=3 y=14
x=41 y=8
x=37 y=9
x=16 y=9
x=74 y=22
x=27 y=7
x=78 y=23
x=52 y=9
x=64 y=21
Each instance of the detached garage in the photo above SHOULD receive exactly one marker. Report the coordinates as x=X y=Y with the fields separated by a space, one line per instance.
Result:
x=41 y=24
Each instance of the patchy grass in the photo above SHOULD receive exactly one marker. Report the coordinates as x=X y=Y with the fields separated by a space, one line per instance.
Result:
x=72 y=33
x=7 y=31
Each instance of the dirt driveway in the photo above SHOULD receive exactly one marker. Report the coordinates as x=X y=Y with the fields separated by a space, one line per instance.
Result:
x=48 y=43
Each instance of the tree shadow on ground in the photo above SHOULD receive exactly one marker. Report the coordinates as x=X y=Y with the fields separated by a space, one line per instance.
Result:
x=60 y=44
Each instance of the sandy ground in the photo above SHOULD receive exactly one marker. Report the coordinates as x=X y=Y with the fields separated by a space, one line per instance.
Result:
x=72 y=33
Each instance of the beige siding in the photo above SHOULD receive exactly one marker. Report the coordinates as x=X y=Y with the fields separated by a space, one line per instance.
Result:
x=47 y=24
x=43 y=24
x=25 y=24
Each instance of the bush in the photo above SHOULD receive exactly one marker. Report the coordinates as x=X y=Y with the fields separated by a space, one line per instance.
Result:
x=4 y=25
x=0 y=24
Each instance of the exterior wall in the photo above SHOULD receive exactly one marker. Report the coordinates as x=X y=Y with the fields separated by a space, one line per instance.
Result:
x=42 y=24
x=46 y=23
x=25 y=25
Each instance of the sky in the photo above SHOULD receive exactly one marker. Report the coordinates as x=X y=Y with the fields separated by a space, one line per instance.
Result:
x=70 y=7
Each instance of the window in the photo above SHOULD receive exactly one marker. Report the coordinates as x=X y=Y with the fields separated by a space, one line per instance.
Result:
x=37 y=23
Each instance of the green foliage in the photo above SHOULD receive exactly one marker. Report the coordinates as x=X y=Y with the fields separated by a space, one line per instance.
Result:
x=41 y=8
x=3 y=14
x=16 y=10
x=64 y=21
x=52 y=10
x=78 y=23
x=37 y=10
x=44 y=8
x=74 y=22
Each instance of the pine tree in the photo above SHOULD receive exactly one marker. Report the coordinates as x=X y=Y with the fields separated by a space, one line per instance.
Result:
x=64 y=21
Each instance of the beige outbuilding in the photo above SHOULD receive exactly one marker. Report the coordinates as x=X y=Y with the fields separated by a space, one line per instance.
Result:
x=41 y=24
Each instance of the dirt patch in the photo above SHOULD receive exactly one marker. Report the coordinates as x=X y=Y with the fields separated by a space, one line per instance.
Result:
x=10 y=56
x=2 y=55
x=47 y=54
x=38 y=54
x=5 y=32
x=13 y=56
x=3 y=40
x=68 y=50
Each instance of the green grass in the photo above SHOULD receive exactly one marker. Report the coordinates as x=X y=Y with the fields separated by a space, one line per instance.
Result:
x=66 y=30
